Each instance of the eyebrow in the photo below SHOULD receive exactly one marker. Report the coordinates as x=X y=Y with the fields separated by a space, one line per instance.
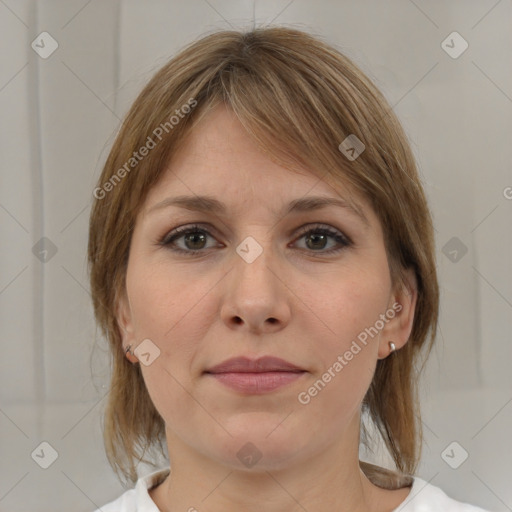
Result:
x=209 y=204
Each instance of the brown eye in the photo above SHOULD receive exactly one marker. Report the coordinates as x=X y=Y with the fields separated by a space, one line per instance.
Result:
x=317 y=239
x=193 y=240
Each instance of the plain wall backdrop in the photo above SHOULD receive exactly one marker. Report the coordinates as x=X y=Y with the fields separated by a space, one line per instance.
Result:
x=60 y=112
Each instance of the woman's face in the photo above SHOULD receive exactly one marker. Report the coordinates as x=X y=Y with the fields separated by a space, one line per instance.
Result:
x=262 y=282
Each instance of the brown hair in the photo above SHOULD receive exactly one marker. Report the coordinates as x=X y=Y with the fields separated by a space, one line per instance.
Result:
x=299 y=98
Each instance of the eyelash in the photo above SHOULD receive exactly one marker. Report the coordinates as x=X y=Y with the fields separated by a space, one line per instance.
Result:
x=170 y=238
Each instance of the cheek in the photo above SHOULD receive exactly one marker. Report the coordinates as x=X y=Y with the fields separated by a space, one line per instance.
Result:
x=164 y=309
x=347 y=353
x=335 y=397
x=160 y=298
x=348 y=303
x=171 y=308
x=349 y=308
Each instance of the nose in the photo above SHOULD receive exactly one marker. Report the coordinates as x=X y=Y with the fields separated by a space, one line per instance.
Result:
x=256 y=298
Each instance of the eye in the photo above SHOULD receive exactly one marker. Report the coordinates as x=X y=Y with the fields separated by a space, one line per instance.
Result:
x=316 y=239
x=194 y=239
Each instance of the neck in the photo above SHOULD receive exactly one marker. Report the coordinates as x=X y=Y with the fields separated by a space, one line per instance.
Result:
x=331 y=479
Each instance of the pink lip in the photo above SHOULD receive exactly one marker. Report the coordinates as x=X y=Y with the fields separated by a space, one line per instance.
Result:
x=262 y=364
x=254 y=383
x=255 y=375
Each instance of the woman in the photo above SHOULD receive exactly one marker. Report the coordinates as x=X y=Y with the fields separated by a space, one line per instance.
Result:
x=263 y=266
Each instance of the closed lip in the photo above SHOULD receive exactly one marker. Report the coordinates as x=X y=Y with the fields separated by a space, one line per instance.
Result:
x=260 y=365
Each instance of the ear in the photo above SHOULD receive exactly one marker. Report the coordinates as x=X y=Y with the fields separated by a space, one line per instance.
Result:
x=125 y=323
x=402 y=304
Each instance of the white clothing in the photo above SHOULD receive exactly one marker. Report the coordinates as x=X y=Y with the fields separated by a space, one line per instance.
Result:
x=423 y=497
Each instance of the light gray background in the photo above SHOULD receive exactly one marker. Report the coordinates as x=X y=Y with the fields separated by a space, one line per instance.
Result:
x=59 y=116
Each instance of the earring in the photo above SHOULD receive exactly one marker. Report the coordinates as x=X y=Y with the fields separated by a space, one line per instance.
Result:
x=130 y=355
x=392 y=347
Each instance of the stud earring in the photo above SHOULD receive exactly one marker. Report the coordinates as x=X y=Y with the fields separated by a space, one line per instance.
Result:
x=392 y=347
x=130 y=355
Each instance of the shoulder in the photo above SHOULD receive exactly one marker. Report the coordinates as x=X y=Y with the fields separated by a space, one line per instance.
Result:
x=137 y=499
x=425 y=497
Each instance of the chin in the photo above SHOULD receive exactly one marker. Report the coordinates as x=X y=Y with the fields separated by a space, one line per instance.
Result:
x=262 y=445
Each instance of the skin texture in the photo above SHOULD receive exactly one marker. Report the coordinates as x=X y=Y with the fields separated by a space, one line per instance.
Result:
x=294 y=301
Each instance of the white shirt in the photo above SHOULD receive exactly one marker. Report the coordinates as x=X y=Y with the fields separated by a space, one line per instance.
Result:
x=423 y=497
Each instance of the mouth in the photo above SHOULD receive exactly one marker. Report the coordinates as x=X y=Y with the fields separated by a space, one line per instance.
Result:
x=255 y=376
x=256 y=383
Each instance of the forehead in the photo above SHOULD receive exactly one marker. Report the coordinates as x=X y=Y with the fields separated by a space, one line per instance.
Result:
x=220 y=160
